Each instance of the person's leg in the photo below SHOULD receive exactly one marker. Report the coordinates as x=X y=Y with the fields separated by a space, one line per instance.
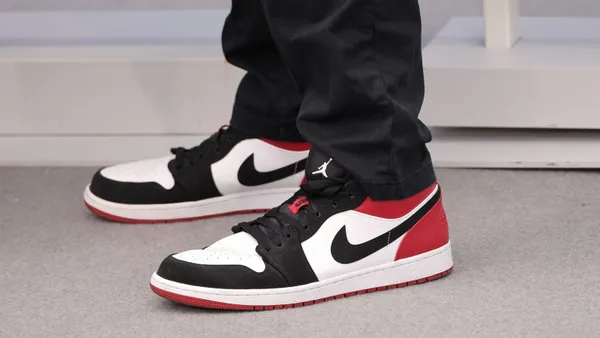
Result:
x=358 y=66
x=369 y=216
x=267 y=100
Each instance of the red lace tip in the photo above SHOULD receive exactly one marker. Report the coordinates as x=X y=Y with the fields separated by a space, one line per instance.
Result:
x=298 y=204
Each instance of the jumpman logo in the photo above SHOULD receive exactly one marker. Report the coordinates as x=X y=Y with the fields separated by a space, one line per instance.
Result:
x=323 y=169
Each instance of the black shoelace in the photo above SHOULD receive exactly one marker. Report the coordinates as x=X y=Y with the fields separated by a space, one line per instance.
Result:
x=185 y=156
x=276 y=225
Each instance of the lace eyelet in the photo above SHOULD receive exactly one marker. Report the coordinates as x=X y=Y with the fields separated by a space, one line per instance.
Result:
x=306 y=227
x=230 y=138
x=218 y=150
x=334 y=205
x=318 y=214
x=352 y=195
x=289 y=236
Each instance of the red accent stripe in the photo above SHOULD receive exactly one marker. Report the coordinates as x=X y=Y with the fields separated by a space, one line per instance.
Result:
x=119 y=219
x=292 y=146
x=209 y=304
x=394 y=209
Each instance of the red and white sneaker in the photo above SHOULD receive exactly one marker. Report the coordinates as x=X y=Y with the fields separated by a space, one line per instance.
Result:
x=230 y=172
x=328 y=241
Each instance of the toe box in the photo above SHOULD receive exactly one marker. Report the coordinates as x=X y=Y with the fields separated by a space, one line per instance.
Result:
x=222 y=270
x=142 y=182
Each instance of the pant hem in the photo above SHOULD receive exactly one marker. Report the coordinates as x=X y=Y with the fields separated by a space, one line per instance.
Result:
x=411 y=185
x=270 y=129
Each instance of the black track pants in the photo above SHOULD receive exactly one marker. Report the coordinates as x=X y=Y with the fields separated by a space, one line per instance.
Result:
x=344 y=75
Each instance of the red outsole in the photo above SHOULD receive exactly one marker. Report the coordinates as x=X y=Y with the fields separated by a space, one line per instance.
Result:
x=119 y=219
x=209 y=304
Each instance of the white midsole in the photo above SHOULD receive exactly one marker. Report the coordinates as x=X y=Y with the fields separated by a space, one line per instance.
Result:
x=402 y=271
x=261 y=199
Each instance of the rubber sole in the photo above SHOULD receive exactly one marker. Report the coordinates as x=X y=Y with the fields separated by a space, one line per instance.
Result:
x=209 y=304
x=118 y=219
x=409 y=271
x=258 y=202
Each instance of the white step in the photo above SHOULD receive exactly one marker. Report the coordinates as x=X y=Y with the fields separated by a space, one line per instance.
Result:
x=93 y=88
x=81 y=73
x=530 y=106
x=76 y=82
x=549 y=79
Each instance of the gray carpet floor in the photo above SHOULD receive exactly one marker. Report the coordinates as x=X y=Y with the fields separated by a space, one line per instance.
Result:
x=527 y=264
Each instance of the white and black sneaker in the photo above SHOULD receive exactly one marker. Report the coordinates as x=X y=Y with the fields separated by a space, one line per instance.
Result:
x=328 y=241
x=230 y=172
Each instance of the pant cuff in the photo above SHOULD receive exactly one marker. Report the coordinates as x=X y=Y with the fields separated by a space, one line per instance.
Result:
x=265 y=127
x=408 y=187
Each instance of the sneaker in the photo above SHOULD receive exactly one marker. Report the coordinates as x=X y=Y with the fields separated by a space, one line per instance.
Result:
x=229 y=173
x=327 y=242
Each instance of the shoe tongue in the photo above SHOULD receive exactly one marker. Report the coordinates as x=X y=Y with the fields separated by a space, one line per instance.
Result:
x=320 y=166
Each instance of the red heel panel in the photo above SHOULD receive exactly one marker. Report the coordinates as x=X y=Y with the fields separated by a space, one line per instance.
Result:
x=430 y=233
x=394 y=209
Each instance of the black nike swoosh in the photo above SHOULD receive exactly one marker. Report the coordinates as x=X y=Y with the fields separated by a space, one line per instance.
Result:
x=249 y=176
x=345 y=253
